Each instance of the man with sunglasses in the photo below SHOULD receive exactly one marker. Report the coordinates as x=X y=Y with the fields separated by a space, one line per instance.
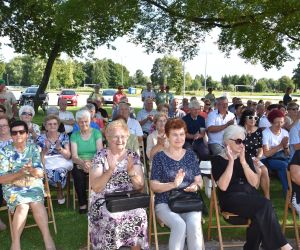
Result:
x=217 y=121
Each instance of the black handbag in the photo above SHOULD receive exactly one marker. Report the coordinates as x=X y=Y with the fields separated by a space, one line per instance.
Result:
x=126 y=200
x=184 y=202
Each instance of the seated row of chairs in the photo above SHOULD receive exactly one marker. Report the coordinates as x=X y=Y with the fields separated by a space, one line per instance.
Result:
x=214 y=211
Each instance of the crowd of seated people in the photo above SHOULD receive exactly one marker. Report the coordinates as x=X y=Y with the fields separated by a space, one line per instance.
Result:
x=243 y=141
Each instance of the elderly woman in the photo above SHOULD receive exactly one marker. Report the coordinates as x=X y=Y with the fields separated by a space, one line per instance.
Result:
x=84 y=145
x=116 y=169
x=5 y=139
x=26 y=114
x=294 y=167
x=92 y=108
x=22 y=173
x=164 y=107
x=177 y=168
x=276 y=147
x=157 y=140
x=253 y=148
x=292 y=116
x=235 y=175
x=56 y=150
x=92 y=124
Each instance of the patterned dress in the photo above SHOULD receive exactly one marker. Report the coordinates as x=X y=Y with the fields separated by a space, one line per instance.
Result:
x=57 y=175
x=28 y=189
x=113 y=230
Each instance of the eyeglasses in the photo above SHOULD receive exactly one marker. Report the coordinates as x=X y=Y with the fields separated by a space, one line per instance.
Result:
x=207 y=104
x=238 y=141
x=3 y=126
x=14 y=132
x=52 y=124
x=26 y=113
x=121 y=137
x=2 y=111
x=294 y=109
x=250 y=117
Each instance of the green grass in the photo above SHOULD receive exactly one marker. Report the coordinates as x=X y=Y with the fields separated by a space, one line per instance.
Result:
x=72 y=227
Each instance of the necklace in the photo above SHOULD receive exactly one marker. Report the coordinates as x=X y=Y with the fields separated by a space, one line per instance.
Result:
x=53 y=139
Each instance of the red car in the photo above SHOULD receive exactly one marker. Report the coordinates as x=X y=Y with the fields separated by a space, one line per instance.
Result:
x=69 y=95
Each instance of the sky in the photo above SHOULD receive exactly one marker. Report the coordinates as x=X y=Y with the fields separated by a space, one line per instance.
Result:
x=209 y=57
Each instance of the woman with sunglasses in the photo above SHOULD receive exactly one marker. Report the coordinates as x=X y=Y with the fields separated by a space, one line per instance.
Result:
x=26 y=114
x=21 y=172
x=253 y=147
x=292 y=116
x=276 y=147
x=236 y=177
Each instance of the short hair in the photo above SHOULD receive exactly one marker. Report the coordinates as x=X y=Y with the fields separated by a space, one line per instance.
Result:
x=246 y=112
x=3 y=108
x=90 y=106
x=194 y=104
x=222 y=98
x=175 y=123
x=236 y=106
x=125 y=104
x=160 y=106
x=83 y=112
x=52 y=111
x=51 y=117
x=119 y=123
x=292 y=105
x=17 y=124
x=159 y=115
x=260 y=105
x=193 y=98
x=272 y=106
x=148 y=99
x=276 y=113
x=233 y=131
x=5 y=117
x=26 y=107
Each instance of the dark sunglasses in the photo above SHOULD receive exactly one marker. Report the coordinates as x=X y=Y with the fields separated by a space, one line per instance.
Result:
x=26 y=113
x=21 y=132
x=250 y=117
x=238 y=141
x=294 y=109
x=207 y=104
x=2 y=111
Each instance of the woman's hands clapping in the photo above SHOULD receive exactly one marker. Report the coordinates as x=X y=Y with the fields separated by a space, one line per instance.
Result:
x=179 y=178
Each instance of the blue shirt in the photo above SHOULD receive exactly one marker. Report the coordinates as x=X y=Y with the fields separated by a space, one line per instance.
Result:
x=92 y=125
x=164 y=170
x=193 y=125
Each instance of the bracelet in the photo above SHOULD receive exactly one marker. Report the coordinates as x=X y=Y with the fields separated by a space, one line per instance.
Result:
x=132 y=175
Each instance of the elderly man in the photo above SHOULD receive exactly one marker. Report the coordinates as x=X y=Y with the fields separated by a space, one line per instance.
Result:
x=217 y=121
x=195 y=131
x=175 y=111
x=8 y=100
x=148 y=93
x=146 y=116
x=133 y=125
x=66 y=117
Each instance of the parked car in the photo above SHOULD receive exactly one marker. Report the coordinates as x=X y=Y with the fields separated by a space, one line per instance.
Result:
x=28 y=95
x=108 y=95
x=70 y=95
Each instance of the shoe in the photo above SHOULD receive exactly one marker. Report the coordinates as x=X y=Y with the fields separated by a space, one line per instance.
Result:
x=61 y=201
x=2 y=226
x=295 y=204
x=82 y=210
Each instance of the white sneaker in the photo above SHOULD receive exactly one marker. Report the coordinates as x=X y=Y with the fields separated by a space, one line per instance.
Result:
x=61 y=201
x=2 y=226
x=295 y=204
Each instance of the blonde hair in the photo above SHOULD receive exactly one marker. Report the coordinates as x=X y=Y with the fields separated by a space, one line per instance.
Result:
x=120 y=123
x=51 y=117
x=159 y=115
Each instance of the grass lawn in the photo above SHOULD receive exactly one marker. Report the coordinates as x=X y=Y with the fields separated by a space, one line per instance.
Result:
x=72 y=227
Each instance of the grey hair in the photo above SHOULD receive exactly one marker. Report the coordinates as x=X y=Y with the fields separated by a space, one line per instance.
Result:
x=26 y=107
x=222 y=98
x=234 y=131
x=84 y=112
x=194 y=104
x=52 y=110
x=90 y=106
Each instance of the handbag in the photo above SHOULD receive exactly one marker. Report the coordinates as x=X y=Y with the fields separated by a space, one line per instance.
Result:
x=184 y=202
x=57 y=161
x=126 y=200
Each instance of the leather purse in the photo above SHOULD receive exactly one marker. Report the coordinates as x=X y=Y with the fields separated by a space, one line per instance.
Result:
x=126 y=200
x=184 y=202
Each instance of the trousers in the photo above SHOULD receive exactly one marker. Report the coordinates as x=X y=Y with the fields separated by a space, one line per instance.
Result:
x=80 y=183
x=182 y=225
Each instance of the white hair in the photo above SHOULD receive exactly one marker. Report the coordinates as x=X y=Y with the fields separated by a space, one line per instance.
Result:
x=194 y=104
x=52 y=110
x=234 y=132
x=26 y=108
x=83 y=113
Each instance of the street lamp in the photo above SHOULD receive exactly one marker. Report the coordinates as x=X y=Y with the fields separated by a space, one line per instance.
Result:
x=205 y=76
x=183 y=79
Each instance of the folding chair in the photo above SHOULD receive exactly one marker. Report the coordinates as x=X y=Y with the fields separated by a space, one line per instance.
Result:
x=214 y=206
x=49 y=207
x=288 y=204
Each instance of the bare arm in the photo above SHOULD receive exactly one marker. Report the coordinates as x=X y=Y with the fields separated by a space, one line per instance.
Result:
x=9 y=178
x=75 y=157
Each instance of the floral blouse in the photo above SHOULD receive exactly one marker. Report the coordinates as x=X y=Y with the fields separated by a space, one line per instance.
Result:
x=62 y=138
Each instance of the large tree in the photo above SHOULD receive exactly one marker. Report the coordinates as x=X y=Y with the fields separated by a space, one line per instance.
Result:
x=266 y=31
x=48 y=28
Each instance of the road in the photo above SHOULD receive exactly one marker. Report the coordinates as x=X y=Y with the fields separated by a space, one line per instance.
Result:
x=137 y=103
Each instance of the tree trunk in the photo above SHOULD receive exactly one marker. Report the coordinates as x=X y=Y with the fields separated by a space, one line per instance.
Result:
x=46 y=76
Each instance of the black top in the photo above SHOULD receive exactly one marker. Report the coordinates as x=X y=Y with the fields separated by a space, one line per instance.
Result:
x=296 y=158
x=238 y=182
x=286 y=99
x=253 y=142
x=103 y=112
